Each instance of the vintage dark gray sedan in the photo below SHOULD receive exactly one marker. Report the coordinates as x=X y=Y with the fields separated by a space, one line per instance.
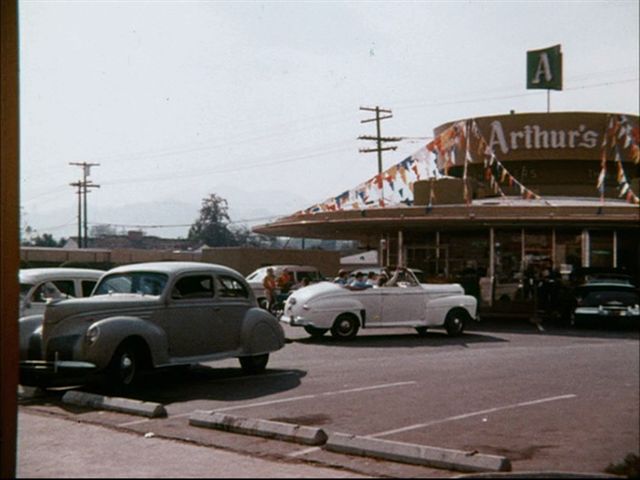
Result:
x=150 y=315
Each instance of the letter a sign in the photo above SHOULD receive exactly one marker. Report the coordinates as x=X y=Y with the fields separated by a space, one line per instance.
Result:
x=544 y=68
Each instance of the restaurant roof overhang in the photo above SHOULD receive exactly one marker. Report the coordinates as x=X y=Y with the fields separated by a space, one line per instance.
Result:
x=500 y=213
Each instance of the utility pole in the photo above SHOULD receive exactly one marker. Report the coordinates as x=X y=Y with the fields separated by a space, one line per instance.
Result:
x=83 y=187
x=378 y=138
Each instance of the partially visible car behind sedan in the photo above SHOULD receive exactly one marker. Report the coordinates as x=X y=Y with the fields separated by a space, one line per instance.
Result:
x=606 y=303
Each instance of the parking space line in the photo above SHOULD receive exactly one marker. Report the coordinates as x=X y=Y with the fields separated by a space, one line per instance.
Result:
x=315 y=395
x=284 y=400
x=304 y=452
x=471 y=414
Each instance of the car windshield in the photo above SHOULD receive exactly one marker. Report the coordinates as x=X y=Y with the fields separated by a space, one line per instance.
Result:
x=144 y=283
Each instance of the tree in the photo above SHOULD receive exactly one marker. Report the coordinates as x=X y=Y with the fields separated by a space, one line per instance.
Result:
x=212 y=227
x=47 y=240
x=102 y=230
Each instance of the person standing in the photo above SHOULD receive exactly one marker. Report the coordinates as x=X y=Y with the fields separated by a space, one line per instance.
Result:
x=269 y=284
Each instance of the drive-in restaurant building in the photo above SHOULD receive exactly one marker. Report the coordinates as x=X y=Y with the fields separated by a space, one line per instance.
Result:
x=500 y=195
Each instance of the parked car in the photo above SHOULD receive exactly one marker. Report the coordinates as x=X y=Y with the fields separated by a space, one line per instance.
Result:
x=607 y=302
x=149 y=315
x=299 y=273
x=407 y=303
x=38 y=285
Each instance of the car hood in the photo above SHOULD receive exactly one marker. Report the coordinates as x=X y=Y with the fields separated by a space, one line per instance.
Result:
x=100 y=304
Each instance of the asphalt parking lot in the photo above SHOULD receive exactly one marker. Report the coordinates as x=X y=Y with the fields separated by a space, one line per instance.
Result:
x=550 y=399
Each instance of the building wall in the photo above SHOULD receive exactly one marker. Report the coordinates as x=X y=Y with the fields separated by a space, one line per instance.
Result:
x=244 y=260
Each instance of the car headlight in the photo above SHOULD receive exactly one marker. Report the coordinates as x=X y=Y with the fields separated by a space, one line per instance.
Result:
x=92 y=334
x=292 y=301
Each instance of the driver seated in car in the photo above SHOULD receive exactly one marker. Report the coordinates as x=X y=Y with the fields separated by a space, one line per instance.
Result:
x=359 y=283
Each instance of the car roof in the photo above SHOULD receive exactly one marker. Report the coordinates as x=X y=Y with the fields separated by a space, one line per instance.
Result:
x=27 y=275
x=171 y=268
x=594 y=284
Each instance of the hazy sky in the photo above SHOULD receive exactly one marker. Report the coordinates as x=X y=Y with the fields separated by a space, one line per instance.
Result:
x=259 y=101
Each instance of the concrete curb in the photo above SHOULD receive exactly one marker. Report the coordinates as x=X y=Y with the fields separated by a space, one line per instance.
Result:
x=533 y=474
x=125 y=405
x=417 y=454
x=264 y=428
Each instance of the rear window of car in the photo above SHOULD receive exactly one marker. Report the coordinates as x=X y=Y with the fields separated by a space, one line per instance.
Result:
x=610 y=297
x=229 y=287
x=193 y=286
x=312 y=276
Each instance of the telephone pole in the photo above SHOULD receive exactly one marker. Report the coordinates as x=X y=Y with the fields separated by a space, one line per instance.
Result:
x=378 y=138
x=83 y=188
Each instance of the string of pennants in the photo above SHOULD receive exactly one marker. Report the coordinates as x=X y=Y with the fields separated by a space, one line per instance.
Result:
x=457 y=137
x=392 y=187
x=619 y=139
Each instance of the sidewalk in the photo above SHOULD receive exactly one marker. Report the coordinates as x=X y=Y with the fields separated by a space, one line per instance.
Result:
x=54 y=447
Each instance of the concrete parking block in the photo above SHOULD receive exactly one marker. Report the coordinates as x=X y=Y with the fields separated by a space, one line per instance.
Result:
x=449 y=459
x=117 y=404
x=254 y=426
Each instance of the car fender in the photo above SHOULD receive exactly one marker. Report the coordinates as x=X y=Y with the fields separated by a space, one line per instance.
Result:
x=114 y=330
x=438 y=308
x=30 y=337
x=327 y=309
x=261 y=333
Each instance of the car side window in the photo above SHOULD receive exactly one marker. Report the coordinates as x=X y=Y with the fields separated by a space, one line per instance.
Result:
x=66 y=287
x=229 y=287
x=87 y=287
x=193 y=286
x=48 y=290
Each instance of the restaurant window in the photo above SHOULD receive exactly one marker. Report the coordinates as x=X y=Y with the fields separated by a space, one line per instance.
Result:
x=601 y=242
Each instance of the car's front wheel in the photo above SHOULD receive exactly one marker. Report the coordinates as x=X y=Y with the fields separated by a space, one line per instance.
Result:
x=125 y=366
x=254 y=364
x=345 y=327
x=315 y=332
x=455 y=321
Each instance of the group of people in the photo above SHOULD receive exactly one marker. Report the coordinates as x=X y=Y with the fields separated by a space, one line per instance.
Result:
x=277 y=289
x=360 y=281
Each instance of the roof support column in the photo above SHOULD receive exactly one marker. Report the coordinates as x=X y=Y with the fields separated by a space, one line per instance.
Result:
x=437 y=253
x=522 y=251
x=492 y=252
x=615 y=249
x=400 y=250
x=553 y=248
x=586 y=248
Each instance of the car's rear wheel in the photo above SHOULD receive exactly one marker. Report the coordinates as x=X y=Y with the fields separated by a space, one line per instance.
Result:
x=455 y=321
x=254 y=364
x=125 y=366
x=345 y=327
x=422 y=331
x=315 y=332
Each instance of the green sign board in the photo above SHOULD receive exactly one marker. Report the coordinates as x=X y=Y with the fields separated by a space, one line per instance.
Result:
x=544 y=68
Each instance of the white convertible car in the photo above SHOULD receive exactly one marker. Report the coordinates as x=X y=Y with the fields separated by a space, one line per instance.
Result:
x=404 y=303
